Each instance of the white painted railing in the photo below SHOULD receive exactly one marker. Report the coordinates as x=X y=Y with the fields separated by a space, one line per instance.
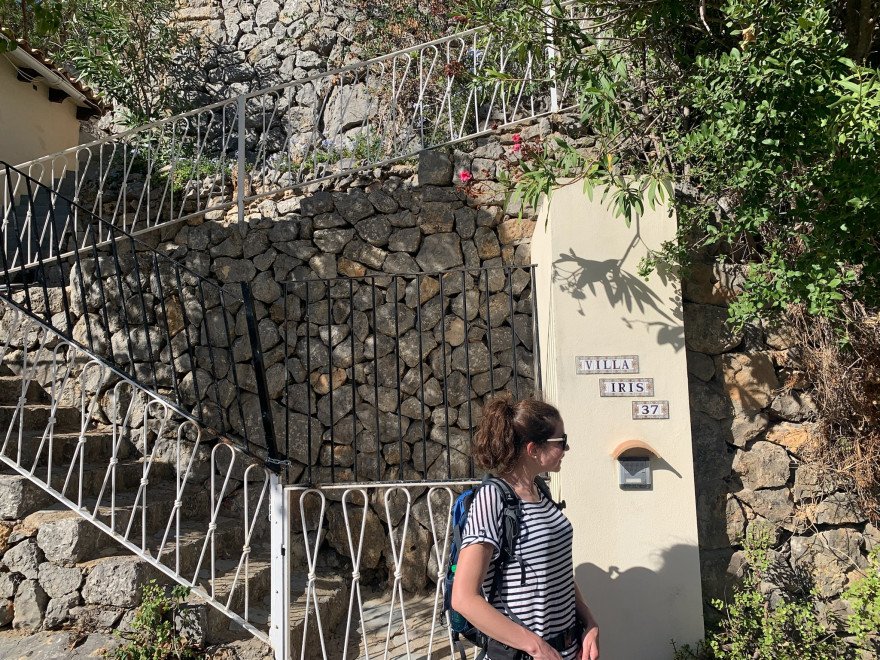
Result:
x=121 y=458
x=227 y=154
x=389 y=622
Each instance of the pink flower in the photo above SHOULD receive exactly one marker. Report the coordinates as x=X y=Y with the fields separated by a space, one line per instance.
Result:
x=517 y=147
x=465 y=176
x=517 y=138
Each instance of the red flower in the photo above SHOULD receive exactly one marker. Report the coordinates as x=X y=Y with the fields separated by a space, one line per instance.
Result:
x=517 y=138
x=465 y=176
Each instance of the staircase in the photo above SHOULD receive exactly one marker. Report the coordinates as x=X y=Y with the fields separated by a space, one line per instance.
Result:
x=96 y=431
x=101 y=474
x=327 y=126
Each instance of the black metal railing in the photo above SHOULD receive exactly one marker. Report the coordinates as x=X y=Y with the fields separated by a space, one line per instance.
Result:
x=147 y=317
x=388 y=374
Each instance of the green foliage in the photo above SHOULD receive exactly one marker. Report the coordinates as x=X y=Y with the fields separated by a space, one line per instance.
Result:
x=757 y=625
x=125 y=49
x=754 y=109
x=155 y=634
x=864 y=599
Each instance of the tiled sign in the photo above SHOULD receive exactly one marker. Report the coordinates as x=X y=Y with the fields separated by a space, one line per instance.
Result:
x=650 y=409
x=607 y=364
x=626 y=387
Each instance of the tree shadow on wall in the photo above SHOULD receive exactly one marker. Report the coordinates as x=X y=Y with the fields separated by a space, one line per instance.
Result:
x=576 y=276
x=616 y=597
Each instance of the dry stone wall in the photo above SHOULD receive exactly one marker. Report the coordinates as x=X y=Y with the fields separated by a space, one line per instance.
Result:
x=334 y=365
x=247 y=45
x=752 y=421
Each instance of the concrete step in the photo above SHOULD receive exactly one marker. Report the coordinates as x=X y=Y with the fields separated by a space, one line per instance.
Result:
x=333 y=597
x=128 y=475
x=227 y=544
x=97 y=449
x=10 y=390
x=36 y=416
x=159 y=505
x=219 y=626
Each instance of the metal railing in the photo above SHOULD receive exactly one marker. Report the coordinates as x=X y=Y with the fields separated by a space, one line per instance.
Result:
x=399 y=622
x=388 y=373
x=126 y=461
x=144 y=316
x=323 y=126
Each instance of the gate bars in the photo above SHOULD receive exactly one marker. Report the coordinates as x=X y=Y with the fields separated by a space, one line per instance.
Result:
x=355 y=622
x=388 y=373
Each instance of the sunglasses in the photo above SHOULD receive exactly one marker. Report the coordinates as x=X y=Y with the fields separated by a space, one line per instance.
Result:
x=563 y=441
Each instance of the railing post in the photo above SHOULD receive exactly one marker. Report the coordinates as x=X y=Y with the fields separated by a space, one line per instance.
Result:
x=240 y=184
x=274 y=461
x=551 y=58
x=279 y=603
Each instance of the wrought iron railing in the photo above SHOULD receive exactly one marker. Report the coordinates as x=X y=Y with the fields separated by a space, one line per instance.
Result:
x=122 y=458
x=389 y=373
x=348 y=119
x=146 y=317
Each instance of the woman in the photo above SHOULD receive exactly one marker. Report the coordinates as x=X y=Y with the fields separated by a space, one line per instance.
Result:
x=517 y=441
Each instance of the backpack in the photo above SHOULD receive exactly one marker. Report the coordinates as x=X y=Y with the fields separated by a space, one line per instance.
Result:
x=510 y=517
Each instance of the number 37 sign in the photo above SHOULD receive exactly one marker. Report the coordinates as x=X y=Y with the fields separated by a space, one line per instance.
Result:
x=650 y=409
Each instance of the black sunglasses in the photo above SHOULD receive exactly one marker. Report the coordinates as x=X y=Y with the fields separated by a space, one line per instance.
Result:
x=563 y=440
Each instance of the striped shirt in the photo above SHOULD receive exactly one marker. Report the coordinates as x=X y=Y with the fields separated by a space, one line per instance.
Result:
x=545 y=600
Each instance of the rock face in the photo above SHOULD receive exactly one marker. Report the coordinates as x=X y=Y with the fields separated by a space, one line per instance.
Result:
x=750 y=438
x=116 y=582
x=706 y=329
x=764 y=465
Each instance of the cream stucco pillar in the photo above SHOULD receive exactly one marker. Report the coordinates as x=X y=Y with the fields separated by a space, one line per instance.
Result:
x=635 y=552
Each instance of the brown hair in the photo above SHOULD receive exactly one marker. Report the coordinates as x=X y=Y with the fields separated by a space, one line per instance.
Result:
x=507 y=426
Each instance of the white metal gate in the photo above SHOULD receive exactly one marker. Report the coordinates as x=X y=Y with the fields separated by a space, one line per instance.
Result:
x=333 y=541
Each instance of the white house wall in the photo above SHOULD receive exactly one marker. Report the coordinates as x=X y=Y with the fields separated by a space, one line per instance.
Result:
x=636 y=552
x=30 y=125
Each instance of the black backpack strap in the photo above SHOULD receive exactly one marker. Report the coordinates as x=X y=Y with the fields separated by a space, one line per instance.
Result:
x=510 y=521
x=510 y=515
x=545 y=490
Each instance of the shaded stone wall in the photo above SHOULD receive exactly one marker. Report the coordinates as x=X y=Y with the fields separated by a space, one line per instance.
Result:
x=753 y=421
x=476 y=332
x=247 y=45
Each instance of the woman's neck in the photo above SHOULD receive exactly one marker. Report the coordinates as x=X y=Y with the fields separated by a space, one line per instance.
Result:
x=522 y=481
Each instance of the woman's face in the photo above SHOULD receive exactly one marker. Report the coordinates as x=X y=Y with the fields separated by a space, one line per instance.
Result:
x=551 y=453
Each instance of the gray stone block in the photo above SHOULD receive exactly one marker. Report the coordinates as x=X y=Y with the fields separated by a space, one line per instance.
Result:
x=30 y=604
x=117 y=582
x=19 y=497
x=69 y=540
x=24 y=558
x=58 y=581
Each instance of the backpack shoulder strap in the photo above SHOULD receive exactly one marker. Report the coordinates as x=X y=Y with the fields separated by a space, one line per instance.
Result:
x=510 y=514
x=510 y=520
x=545 y=490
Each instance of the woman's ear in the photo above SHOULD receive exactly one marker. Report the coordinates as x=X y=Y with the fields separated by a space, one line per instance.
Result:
x=531 y=449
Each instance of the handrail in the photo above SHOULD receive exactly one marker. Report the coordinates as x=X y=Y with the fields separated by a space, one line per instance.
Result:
x=304 y=131
x=141 y=314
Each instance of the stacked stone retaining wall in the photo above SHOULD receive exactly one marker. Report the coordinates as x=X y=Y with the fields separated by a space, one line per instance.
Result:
x=753 y=424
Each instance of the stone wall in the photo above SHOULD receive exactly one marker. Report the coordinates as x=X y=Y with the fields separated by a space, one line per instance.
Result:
x=247 y=45
x=476 y=327
x=753 y=423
